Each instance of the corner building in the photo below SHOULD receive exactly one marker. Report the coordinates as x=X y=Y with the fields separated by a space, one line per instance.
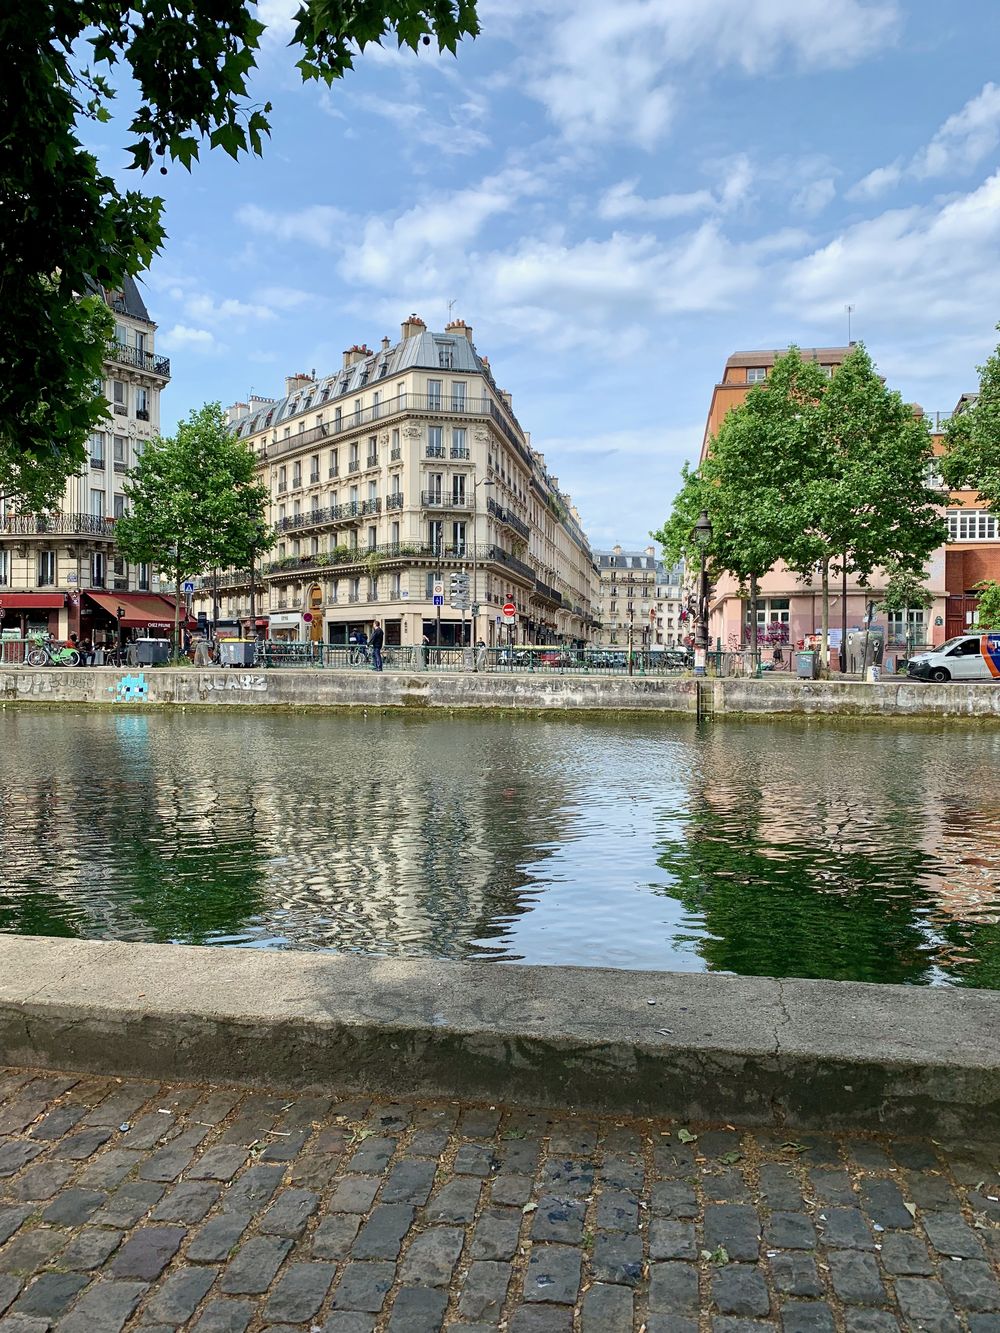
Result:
x=403 y=467
x=59 y=571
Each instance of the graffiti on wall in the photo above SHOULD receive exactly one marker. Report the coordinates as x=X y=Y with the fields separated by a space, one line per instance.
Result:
x=131 y=689
x=236 y=682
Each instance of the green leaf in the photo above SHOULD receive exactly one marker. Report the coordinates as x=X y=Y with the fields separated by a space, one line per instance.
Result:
x=685 y=1136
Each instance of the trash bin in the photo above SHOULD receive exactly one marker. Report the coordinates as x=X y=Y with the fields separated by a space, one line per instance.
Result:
x=237 y=652
x=807 y=665
x=150 y=652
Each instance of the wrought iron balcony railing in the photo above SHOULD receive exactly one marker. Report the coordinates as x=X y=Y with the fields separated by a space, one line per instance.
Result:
x=131 y=356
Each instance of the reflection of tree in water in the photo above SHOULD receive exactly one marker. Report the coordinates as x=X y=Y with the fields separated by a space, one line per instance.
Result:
x=30 y=912
x=809 y=871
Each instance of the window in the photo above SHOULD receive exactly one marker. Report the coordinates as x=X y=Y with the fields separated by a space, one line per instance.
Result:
x=118 y=565
x=353 y=462
x=119 y=503
x=333 y=469
x=142 y=404
x=435 y=482
x=395 y=443
x=458 y=538
x=396 y=586
x=119 y=397
x=458 y=489
x=314 y=546
x=372 y=450
x=296 y=475
x=446 y=355
x=96 y=504
x=314 y=468
x=357 y=410
x=121 y=451
x=99 y=569
x=372 y=538
x=143 y=578
x=459 y=444
x=429 y=582
x=394 y=533
x=97 y=449
x=972 y=525
x=435 y=535
x=354 y=496
x=4 y=569
x=46 y=569
x=376 y=398
x=774 y=610
x=282 y=479
x=906 y=626
x=434 y=395
x=756 y=374
x=435 y=442
x=338 y=418
x=458 y=397
x=296 y=509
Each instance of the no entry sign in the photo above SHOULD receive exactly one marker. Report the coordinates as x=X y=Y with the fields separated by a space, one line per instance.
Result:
x=509 y=609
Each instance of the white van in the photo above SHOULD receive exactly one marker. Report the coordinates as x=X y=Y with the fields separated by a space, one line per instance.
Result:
x=966 y=657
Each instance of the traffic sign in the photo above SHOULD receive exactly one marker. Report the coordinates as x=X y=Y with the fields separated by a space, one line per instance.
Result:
x=438 y=599
x=307 y=616
x=509 y=609
x=189 y=586
x=438 y=591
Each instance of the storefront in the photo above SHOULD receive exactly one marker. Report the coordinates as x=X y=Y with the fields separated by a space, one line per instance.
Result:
x=106 y=618
x=32 y=612
x=286 y=627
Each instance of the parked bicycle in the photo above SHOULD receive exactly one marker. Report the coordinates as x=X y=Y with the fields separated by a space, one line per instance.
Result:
x=45 y=652
x=361 y=655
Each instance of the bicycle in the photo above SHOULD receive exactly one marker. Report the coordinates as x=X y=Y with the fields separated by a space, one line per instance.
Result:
x=361 y=655
x=45 y=653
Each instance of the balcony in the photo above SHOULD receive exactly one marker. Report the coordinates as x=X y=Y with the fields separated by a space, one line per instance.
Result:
x=282 y=487
x=547 y=593
x=435 y=451
x=442 y=500
x=426 y=553
x=120 y=465
x=58 y=525
x=334 y=472
x=120 y=410
x=372 y=460
x=507 y=516
x=459 y=451
x=97 y=463
x=394 y=501
x=354 y=598
x=131 y=356
x=313 y=478
x=354 y=465
x=142 y=414
x=396 y=454
x=373 y=596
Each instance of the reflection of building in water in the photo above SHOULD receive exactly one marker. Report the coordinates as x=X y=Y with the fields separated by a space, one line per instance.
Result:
x=423 y=847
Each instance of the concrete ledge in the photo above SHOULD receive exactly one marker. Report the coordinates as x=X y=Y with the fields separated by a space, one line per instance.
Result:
x=802 y=1054
x=287 y=688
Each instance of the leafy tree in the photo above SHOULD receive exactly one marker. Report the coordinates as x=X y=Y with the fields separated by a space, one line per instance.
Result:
x=194 y=502
x=971 y=460
x=856 y=475
x=989 y=605
x=65 y=223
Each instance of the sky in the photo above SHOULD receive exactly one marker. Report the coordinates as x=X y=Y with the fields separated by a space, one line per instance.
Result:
x=616 y=195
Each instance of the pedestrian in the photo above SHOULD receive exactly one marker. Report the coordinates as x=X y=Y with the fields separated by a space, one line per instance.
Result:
x=202 y=656
x=425 y=643
x=375 y=642
x=480 y=655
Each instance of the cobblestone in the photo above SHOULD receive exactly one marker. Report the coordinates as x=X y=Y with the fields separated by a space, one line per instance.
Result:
x=128 y=1208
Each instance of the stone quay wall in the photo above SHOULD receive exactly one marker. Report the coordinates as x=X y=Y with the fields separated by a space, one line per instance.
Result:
x=287 y=688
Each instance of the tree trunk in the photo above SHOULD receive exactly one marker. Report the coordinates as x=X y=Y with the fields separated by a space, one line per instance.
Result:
x=825 y=635
x=177 y=611
x=753 y=612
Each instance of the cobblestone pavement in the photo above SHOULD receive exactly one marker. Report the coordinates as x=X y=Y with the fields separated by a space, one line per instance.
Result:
x=125 y=1205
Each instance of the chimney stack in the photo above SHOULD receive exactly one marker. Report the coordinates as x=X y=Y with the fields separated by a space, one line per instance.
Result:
x=386 y=344
x=237 y=412
x=295 y=382
x=357 y=353
x=459 y=326
x=413 y=327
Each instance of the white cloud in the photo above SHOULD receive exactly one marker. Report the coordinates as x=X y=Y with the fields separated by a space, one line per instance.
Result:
x=621 y=201
x=957 y=147
x=279 y=17
x=285 y=298
x=416 y=124
x=606 y=71
x=811 y=200
x=229 y=312
x=318 y=225
x=182 y=335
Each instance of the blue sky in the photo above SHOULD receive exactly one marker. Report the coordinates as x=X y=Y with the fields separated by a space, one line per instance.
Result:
x=615 y=196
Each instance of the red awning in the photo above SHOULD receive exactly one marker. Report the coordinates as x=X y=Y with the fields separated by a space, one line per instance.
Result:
x=141 y=609
x=32 y=601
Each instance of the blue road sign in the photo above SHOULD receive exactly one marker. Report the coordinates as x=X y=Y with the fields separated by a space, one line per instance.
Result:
x=189 y=587
x=439 y=601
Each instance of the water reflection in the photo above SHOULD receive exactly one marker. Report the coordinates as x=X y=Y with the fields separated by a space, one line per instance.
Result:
x=767 y=848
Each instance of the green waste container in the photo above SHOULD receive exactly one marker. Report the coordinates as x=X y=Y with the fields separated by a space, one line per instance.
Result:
x=807 y=665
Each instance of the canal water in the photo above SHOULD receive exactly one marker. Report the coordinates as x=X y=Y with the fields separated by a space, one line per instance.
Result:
x=777 y=848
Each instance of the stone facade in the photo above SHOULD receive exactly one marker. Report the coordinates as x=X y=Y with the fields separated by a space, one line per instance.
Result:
x=640 y=598
x=392 y=474
x=49 y=563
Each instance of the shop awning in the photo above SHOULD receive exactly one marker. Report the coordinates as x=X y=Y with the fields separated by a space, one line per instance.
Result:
x=141 y=609
x=32 y=601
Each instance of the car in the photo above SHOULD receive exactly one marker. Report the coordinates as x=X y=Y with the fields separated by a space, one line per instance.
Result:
x=964 y=657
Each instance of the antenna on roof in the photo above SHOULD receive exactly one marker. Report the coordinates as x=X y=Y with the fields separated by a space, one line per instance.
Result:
x=850 y=312
x=451 y=307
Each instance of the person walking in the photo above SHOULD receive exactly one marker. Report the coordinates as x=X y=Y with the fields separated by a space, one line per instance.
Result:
x=480 y=655
x=375 y=642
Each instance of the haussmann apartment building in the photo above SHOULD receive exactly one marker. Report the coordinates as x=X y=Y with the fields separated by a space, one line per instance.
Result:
x=387 y=476
x=59 y=570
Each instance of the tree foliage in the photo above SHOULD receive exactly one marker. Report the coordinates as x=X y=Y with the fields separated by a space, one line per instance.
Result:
x=816 y=472
x=194 y=503
x=65 y=223
x=971 y=460
x=989 y=605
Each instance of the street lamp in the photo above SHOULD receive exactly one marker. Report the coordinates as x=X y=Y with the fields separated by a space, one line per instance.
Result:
x=703 y=538
x=476 y=483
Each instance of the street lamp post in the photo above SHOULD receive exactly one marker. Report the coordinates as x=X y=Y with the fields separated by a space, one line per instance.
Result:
x=476 y=483
x=703 y=538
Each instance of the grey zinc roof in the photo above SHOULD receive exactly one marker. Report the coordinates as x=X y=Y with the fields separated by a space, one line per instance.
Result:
x=768 y=356
x=639 y=560
x=422 y=351
x=126 y=302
